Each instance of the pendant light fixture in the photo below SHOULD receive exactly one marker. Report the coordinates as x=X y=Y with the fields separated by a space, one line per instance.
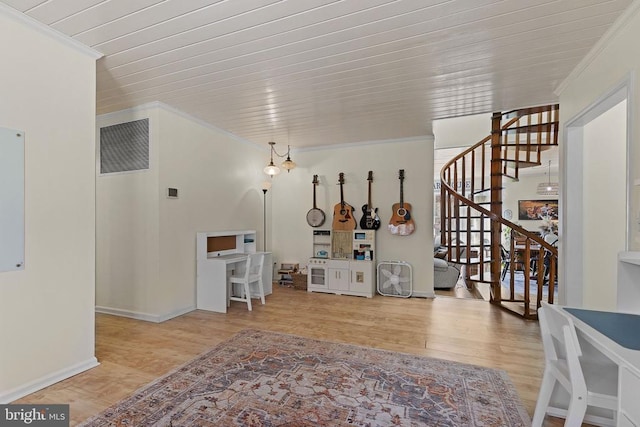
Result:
x=271 y=169
x=288 y=164
x=548 y=188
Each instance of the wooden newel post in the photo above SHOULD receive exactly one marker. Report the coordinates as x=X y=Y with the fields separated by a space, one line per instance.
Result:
x=496 y=204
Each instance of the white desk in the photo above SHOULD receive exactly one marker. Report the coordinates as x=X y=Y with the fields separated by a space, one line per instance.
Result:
x=217 y=254
x=628 y=362
x=212 y=274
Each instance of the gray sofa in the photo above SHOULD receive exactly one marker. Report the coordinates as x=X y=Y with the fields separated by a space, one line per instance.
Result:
x=445 y=275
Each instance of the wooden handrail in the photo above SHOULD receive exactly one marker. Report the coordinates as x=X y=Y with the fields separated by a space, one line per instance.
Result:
x=459 y=209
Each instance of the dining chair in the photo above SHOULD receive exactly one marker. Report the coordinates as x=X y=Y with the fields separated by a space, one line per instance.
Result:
x=546 y=263
x=505 y=257
x=589 y=381
x=252 y=273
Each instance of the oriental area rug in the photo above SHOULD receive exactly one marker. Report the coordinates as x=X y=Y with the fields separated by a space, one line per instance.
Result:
x=260 y=378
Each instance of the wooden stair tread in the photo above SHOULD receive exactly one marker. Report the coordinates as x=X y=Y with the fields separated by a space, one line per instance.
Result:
x=522 y=163
x=484 y=278
x=486 y=190
x=517 y=307
x=464 y=246
x=471 y=217
x=471 y=261
x=533 y=147
x=547 y=127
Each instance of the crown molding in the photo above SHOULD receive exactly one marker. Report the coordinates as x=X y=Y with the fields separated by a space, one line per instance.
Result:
x=423 y=138
x=600 y=45
x=166 y=107
x=36 y=25
x=205 y=124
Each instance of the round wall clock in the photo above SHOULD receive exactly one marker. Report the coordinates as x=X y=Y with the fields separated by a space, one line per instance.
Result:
x=507 y=214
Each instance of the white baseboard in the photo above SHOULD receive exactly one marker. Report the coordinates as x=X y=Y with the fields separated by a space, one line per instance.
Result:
x=33 y=386
x=147 y=317
x=588 y=418
x=423 y=294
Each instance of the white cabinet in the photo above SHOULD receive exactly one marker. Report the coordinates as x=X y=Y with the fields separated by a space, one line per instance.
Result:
x=342 y=277
x=624 y=421
x=629 y=389
x=361 y=274
x=363 y=244
x=344 y=263
x=628 y=286
x=321 y=243
x=338 y=279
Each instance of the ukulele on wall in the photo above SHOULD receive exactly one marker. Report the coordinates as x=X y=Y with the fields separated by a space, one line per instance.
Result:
x=401 y=223
x=370 y=219
x=343 y=219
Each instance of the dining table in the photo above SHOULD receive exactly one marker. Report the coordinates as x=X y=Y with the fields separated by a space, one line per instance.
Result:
x=534 y=255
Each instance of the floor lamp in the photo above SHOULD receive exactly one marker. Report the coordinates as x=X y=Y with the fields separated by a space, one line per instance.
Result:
x=266 y=185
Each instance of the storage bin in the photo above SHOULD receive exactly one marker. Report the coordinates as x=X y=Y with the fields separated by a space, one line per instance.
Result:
x=299 y=281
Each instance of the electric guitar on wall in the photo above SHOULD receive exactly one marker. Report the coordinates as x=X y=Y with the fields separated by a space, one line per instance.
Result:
x=401 y=223
x=370 y=219
x=343 y=219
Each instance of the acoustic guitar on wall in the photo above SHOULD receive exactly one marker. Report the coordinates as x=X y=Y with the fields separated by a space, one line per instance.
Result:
x=370 y=219
x=401 y=222
x=343 y=219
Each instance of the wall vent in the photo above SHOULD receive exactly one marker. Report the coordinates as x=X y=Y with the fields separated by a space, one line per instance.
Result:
x=124 y=147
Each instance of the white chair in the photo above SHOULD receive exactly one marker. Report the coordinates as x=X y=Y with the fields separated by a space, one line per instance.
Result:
x=252 y=273
x=589 y=381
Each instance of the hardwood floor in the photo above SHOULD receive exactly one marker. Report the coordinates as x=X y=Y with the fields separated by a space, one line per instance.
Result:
x=132 y=353
x=478 y=291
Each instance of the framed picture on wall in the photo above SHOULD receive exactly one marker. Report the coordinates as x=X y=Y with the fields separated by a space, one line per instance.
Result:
x=537 y=210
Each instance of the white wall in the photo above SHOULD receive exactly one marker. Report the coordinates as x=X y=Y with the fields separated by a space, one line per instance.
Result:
x=146 y=242
x=603 y=188
x=462 y=131
x=609 y=66
x=524 y=189
x=219 y=182
x=47 y=89
x=127 y=223
x=292 y=197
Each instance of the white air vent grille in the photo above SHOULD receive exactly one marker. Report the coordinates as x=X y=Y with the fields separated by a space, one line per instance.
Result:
x=124 y=147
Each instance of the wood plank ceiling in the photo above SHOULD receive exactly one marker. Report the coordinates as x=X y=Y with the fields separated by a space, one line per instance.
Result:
x=320 y=72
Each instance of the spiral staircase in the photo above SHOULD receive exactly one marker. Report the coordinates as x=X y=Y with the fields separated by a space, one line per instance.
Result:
x=471 y=211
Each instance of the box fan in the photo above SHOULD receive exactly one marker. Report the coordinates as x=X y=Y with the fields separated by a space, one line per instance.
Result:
x=395 y=279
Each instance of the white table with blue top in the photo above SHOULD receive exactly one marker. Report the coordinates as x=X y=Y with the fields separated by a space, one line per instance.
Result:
x=617 y=336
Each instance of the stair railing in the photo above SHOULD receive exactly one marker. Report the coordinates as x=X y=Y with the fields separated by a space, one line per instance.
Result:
x=471 y=206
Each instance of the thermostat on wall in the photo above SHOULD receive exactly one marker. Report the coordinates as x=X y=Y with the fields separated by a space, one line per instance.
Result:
x=172 y=193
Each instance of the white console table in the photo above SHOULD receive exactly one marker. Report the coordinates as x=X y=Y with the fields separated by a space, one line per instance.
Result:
x=217 y=255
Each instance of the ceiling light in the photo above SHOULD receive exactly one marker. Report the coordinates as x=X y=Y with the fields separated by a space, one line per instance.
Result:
x=271 y=169
x=548 y=188
x=288 y=164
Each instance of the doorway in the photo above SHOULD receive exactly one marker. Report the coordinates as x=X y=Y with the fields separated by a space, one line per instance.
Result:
x=593 y=202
